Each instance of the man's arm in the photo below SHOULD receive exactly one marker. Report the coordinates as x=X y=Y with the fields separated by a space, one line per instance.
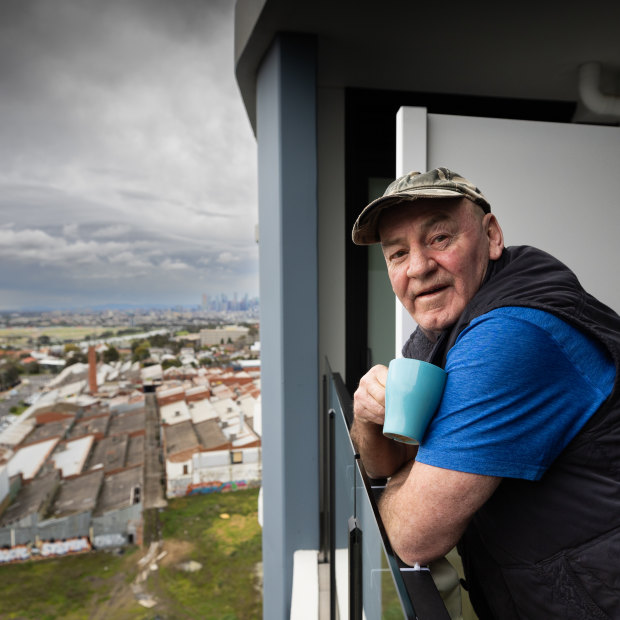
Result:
x=426 y=509
x=380 y=456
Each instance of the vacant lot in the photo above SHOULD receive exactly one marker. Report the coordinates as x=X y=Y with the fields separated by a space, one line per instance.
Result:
x=19 y=336
x=208 y=565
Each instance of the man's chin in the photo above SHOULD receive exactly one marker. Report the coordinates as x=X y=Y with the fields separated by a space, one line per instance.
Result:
x=431 y=334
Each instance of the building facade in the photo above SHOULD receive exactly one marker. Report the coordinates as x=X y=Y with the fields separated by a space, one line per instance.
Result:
x=323 y=85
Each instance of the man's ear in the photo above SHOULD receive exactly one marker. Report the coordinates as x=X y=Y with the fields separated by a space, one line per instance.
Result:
x=495 y=236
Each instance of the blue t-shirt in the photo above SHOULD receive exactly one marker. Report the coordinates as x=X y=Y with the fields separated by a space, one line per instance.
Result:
x=521 y=384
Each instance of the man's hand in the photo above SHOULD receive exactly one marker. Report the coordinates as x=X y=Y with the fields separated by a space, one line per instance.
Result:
x=381 y=456
x=369 y=398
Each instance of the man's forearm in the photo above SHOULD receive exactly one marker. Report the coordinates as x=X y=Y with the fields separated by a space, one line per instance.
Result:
x=380 y=456
x=425 y=509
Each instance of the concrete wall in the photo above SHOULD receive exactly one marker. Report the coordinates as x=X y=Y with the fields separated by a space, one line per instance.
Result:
x=124 y=521
x=65 y=527
x=4 y=483
x=288 y=214
x=331 y=251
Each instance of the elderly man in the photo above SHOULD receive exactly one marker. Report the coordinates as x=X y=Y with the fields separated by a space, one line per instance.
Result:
x=521 y=464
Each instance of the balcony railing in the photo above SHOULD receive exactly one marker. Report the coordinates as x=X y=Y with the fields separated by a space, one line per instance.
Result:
x=367 y=579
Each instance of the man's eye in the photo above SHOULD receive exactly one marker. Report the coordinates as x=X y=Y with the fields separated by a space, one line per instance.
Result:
x=398 y=254
x=440 y=238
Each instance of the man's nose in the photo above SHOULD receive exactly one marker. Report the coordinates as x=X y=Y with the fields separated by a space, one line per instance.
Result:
x=420 y=264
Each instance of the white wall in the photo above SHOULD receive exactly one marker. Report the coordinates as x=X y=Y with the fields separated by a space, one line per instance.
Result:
x=4 y=482
x=551 y=185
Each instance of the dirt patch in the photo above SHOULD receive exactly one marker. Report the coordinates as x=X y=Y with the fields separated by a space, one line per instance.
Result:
x=176 y=551
x=118 y=600
x=258 y=577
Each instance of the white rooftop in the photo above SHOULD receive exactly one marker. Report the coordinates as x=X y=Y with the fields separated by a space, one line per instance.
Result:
x=151 y=372
x=28 y=460
x=72 y=455
x=17 y=431
x=202 y=410
x=174 y=412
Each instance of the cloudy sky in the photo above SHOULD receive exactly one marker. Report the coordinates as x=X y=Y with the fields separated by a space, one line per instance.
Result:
x=127 y=163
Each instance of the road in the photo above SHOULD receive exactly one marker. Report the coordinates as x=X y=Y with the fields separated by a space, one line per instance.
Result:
x=30 y=385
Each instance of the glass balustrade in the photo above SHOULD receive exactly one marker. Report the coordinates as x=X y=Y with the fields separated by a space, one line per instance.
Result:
x=367 y=579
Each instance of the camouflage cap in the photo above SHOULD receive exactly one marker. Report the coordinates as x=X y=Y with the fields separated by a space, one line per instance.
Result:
x=437 y=183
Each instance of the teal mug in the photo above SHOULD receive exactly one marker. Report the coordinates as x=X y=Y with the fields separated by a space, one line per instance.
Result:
x=413 y=392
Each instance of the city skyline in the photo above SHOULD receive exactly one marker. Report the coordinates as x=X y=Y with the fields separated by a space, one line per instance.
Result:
x=128 y=163
x=220 y=302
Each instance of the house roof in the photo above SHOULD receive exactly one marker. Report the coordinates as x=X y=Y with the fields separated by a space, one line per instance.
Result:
x=29 y=459
x=78 y=494
x=109 y=453
x=58 y=428
x=95 y=425
x=210 y=434
x=118 y=488
x=180 y=437
x=33 y=498
x=70 y=456
x=130 y=422
x=135 y=451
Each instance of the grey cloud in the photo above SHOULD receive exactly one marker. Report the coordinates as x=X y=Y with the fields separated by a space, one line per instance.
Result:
x=126 y=150
x=112 y=231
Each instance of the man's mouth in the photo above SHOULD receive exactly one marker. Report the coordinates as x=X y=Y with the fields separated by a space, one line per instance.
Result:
x=431 y=291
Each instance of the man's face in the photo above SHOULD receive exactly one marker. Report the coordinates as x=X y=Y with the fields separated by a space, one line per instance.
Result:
x=437 y=252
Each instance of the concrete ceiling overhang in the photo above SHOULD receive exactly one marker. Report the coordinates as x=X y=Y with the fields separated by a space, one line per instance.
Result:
x=521 y=50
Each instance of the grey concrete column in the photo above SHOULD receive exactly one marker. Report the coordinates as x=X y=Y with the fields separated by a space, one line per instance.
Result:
x=288 y=213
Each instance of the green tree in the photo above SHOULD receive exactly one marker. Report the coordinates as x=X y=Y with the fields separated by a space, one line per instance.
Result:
x=9 y=374
x=159 y=340
x=138 y=343
x=33 y=368
x=141 y=352
x=75 y=357
x=111 y=354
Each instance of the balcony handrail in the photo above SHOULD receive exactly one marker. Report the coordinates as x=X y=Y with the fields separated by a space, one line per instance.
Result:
x=416 y=589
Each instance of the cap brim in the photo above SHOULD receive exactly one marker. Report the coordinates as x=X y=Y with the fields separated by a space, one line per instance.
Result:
x=366 y=227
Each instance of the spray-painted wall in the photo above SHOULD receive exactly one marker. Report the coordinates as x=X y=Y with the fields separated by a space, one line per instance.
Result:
x=217 y=466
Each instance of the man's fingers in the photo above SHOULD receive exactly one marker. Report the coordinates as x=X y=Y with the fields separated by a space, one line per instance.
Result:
x=369 y=398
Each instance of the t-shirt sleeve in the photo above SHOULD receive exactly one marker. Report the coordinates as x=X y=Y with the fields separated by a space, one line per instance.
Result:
x=514 y=398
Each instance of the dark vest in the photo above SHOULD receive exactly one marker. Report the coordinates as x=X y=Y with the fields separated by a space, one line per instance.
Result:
x=551 y=548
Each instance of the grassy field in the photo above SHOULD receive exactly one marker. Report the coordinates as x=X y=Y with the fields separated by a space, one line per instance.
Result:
x=219 y=531
x=19 y=336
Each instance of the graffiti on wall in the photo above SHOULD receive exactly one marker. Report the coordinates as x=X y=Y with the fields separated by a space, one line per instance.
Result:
x=215 y=486
x=44 y=549
x=62 y=547
x=14 y=554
